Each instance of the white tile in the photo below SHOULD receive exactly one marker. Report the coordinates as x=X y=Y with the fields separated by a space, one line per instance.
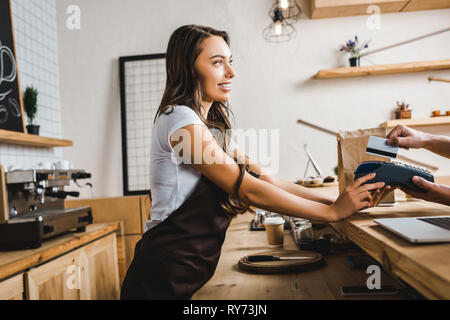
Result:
x=36 y=38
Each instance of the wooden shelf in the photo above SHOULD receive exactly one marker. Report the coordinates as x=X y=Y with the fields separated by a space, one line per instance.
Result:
x=349 y=72
x=435 y=121
x=344 y=8
x=12 y=137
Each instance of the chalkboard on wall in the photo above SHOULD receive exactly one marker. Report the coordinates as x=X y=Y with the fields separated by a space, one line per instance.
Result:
x=11 y=109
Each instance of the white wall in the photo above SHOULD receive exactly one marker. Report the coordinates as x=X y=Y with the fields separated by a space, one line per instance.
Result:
x=273 y=87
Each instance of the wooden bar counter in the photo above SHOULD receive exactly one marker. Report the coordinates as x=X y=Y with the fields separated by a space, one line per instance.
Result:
x=229 y=282
x=423 y=267
x=12 y=262
x=75 y=266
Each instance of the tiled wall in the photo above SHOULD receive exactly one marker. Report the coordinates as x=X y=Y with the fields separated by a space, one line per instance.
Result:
x=35 y=31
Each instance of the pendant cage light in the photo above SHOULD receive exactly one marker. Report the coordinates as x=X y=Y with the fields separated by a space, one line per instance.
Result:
x=283 y=14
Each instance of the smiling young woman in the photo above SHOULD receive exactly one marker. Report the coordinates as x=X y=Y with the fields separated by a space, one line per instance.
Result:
x=194 y=198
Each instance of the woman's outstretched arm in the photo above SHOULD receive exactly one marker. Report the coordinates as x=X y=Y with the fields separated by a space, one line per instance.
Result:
x=298 y=190
x=196 y=145
x=288 y=186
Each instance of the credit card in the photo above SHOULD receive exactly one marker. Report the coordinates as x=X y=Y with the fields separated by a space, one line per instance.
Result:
x=378 y=146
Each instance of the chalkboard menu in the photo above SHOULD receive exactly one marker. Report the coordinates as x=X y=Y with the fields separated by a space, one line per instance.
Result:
x=11 y=109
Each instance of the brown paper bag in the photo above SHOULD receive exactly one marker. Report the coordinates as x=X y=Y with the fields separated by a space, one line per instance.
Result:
x=352 y=151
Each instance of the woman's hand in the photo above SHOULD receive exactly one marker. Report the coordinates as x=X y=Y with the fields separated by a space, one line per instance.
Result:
x=356 y=197
x=380 y=194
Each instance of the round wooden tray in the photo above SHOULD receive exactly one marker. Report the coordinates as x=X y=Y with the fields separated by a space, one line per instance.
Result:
x=282 y=266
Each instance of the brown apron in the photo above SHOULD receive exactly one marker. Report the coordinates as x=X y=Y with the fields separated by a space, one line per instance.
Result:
x=178 y=256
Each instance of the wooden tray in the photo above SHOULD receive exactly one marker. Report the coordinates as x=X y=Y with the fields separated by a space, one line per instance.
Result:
x=286 y=266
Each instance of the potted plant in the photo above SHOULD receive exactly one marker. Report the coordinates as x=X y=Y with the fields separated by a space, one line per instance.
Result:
x=30 y=105
x=354 y=48
x=402 y=111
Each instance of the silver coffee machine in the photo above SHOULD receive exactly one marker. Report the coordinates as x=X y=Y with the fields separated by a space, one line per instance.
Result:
x=32 y=207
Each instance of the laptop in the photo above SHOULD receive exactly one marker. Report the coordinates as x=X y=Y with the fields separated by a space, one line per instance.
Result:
x=419 y=229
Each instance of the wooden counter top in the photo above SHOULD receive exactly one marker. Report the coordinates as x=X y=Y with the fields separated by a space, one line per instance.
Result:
x=12 y=262
x=425 y=267
x=229 y=282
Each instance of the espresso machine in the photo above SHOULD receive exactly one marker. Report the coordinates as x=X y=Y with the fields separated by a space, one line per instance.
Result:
x=32 y=207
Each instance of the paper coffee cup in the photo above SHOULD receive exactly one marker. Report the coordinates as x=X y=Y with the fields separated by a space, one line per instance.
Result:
x=274 y=231
x=63 y=165
x=45 y=165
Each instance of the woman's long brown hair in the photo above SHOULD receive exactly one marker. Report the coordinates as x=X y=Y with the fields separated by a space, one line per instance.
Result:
x=183 y=87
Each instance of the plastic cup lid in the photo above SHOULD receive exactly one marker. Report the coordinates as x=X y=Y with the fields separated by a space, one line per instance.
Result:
x=273 y=221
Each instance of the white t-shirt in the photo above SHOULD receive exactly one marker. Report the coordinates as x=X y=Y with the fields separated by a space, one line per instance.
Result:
x=170 y=183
